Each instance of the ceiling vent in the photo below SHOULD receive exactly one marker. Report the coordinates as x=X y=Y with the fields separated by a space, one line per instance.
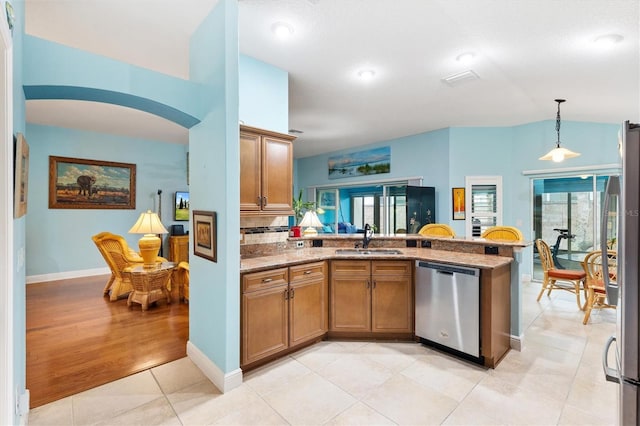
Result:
x=295 y=131
x=460 y=78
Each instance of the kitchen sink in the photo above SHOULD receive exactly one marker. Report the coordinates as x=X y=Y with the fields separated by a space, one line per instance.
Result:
x=351 y=252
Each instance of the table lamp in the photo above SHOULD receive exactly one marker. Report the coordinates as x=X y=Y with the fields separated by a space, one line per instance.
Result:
x=311 y=222
x=148 y=224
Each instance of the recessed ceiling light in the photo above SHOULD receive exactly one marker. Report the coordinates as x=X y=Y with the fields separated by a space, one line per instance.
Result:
x=608 y=40
x=466 y=58
x=282 y=30
x=366 y=74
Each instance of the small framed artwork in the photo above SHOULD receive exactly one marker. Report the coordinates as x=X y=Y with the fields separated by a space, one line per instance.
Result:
x=77 y=183
x=327 y=199
x=21 y=177
x=205 y=235
x=457 y=199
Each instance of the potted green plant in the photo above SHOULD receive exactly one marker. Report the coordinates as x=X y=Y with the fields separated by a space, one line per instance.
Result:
x=299 y=209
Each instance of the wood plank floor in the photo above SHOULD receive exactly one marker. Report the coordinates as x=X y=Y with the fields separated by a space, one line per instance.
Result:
x=77 y=339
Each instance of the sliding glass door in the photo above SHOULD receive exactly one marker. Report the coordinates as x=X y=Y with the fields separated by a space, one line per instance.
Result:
x=566 y=215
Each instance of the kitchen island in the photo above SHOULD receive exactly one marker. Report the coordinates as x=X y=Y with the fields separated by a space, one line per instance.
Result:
x=299 y=296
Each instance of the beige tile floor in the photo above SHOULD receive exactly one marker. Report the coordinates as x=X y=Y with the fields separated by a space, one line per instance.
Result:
x=556 y=379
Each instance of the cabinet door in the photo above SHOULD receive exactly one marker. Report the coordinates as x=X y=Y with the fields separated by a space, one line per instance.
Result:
x=392 y=304
x=179 y=248
x=277 y=175
x=350 y=304
x=265 y=323
x=250 y=171
x=307 y=310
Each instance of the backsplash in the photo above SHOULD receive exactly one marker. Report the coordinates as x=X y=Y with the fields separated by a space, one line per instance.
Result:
x=263 y=235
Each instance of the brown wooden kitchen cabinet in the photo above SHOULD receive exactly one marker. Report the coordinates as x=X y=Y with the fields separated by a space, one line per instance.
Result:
x=371 y=297
x=179 y=248
x=266 y=172
x=281 y=309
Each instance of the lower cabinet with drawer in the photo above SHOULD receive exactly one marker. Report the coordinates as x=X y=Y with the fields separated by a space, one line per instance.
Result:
x=371 y=298
x=281 y=309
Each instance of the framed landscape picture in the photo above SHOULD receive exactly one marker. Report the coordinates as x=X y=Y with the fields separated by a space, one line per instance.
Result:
x=205 y=238
x=76 y=183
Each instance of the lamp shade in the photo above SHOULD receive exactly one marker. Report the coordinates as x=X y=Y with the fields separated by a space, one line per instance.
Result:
x=148 y=224
x=310 y=221
x=559 y=154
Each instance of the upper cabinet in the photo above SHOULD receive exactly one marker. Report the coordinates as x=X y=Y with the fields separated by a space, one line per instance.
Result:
x=266 y=172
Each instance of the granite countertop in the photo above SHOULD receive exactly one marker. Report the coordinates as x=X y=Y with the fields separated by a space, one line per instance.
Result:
x=297 y=256
x=472 y=240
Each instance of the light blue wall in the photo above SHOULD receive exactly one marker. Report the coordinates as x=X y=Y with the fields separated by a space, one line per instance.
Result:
x=55 y=71
x=264 y=95
x=508 y=151
x=214 y=310
x=158 y=166
x=19 y=225
x=425 y=155
x=444 y=157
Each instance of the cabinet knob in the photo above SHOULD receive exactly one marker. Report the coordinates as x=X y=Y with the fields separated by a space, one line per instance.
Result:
x=286 y=294
x=259 y=201
x=293 y=293
x=307 y=272
x=264 y=201
x=267 y=280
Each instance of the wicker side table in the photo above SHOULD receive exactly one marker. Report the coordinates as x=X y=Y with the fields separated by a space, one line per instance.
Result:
x=149 y=285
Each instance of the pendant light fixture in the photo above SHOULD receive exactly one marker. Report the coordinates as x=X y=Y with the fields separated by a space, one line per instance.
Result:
x=558 y=154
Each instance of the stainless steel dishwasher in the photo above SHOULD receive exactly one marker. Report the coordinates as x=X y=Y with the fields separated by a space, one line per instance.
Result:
x=448 y=308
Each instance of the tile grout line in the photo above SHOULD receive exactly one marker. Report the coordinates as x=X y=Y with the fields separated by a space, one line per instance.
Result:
x=165 y=396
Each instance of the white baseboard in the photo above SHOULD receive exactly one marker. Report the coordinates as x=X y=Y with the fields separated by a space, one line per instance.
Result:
x=516 y=342
x=526 y=278
x=224 y=382
x=66 y=275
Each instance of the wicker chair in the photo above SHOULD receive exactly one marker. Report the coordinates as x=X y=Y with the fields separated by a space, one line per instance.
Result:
x=574 y=280
x=437 y=230
x=148 y=287
x=181 y=279
x=118 y=255
x=596 y=293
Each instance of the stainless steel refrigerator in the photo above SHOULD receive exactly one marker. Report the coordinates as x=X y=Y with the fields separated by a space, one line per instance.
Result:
x=622 y=201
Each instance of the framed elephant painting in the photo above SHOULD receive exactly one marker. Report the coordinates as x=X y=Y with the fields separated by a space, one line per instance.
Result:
x=76 y=183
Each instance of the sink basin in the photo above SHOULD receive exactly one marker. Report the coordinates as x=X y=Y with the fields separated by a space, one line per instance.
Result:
x=351 y=252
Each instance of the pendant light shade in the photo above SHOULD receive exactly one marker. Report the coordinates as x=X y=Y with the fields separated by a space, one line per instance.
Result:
x=559 y=154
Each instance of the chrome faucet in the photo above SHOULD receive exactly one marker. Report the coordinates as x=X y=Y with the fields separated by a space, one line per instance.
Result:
x=368 y=235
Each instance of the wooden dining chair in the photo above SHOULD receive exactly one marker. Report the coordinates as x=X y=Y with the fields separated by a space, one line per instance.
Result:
x=559 y=279
x=595 y=286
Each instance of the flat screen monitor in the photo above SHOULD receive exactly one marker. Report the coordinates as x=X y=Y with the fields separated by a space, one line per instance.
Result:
x=181 y=206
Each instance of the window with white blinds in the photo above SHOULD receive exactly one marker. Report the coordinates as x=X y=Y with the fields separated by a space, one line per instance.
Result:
x=484 y=198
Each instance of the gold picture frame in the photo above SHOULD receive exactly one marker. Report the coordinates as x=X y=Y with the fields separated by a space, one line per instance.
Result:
x=76 y=183
x=21 y=176
x=205 y=235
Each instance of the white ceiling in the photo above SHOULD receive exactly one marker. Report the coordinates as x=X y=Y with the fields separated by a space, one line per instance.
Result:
x=528 y=53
